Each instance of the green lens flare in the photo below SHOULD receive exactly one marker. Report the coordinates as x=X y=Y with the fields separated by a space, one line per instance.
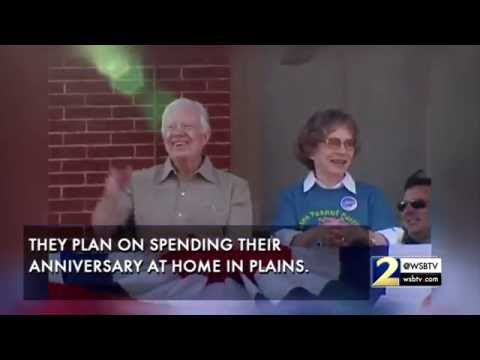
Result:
x=119 y=64
x=159 y=100
x=123 y=67
x=129 y=83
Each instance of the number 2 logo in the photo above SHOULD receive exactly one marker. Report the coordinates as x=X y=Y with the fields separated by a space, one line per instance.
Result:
x=385 y=279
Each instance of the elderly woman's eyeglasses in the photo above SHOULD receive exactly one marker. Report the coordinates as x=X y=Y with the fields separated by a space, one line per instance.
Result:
x=416 y=204
x=336 y=143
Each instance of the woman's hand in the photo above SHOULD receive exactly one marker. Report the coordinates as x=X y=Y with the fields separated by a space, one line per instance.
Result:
x=329 y=236
x=335 y=233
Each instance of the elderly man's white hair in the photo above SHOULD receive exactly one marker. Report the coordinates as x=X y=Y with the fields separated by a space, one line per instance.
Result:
x=184 y=103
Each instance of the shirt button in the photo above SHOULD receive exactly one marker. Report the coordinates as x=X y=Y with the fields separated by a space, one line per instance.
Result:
x=179 y=214
x=182 y=193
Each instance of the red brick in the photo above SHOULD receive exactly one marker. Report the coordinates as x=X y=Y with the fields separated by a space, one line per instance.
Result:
x=147 y=74
x=136 y=164
x=56 y=87
x=66 y=126
x=159 y=99
x=219 y=60
x=220 y=136
x=54 y=166
x=221 y=162
x=132 y=87
x=88 y=87
x=206 y=72
x=132 y=111
x=208 y=98
x=133 y=138
x=66 y=205
x=204 y=58
x=110 y=151
x=85 y=165
x=135 y=74
x=144 y=150
x=110 y=125
x=76 y=219
x=55 y=139
x=96 y=178
x=63 y=152
x=75 y=61
x=155 y=121
x=218 y=110
x=142 y=125
x=161 y=151
x=88 y=112
x=55 y=58
x=218 y=149
x=71 y=192
x=188 y=54
x=218 y=123
x=143 y=99
x=53 y=192
x=219 y=85
x=78 y=139
x=73 y=74
x=182 y=85
x=113 y=99
x=66 y=100
x=167 y=73
x=66 y=179
x=90 y=205
x=53 y=219
x=55 y=113
x=158 y=138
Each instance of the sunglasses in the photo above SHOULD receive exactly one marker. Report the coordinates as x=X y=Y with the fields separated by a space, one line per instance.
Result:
x=336 y=144
x=416 y=204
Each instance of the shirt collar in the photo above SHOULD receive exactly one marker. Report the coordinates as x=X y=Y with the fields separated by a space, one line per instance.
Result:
x=347 y=182
x=206 y=170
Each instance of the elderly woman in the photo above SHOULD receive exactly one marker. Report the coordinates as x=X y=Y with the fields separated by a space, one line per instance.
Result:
x=349 y=210
x=327 y=146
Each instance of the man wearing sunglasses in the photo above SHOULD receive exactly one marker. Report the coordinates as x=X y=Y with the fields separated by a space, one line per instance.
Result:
x=415 y=209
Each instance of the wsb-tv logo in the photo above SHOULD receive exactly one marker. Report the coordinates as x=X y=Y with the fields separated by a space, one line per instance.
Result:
x=389 y=271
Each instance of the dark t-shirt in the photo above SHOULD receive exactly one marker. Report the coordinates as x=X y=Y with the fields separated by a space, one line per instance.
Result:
x=408 y=240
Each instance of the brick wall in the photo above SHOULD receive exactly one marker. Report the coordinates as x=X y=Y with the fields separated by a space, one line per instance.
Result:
x=92 y=128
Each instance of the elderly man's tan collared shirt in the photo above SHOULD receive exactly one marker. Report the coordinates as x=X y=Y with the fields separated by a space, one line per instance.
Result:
x=211 y=197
